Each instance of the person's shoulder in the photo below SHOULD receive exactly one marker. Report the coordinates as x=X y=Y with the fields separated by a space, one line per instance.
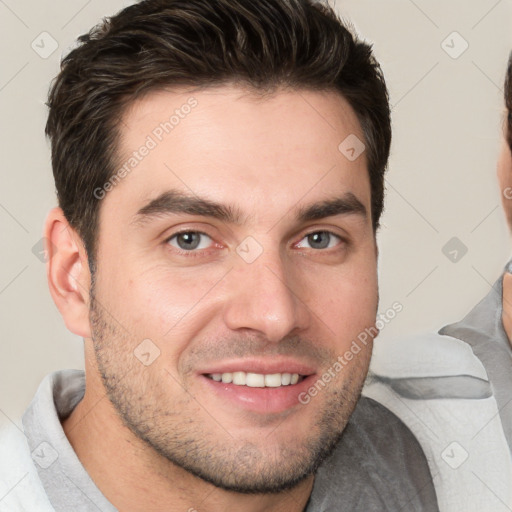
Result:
x=440 y=389
x=385 y=444
x=377 y=465
x=391 y=455
x=20 y=487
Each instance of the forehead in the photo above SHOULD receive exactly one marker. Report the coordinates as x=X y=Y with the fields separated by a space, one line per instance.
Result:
x=261 y=153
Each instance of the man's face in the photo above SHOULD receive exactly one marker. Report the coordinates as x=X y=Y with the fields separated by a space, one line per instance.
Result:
x=239 y=247
x=505 y=179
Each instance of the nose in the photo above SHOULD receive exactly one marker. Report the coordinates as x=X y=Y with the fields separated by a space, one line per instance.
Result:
x=265 y=298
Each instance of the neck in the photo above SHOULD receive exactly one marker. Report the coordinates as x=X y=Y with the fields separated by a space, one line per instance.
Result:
x=134 y=478
x=507 y=305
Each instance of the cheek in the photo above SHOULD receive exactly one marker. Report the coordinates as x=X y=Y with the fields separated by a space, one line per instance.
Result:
x=347 y=302
x=162 y=303
x=504 y=167
x=356 y=305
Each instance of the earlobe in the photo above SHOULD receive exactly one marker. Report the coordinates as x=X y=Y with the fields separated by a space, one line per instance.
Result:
x=67 y=272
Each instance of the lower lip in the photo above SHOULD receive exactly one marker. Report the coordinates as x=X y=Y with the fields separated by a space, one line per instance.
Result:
x=261 y=400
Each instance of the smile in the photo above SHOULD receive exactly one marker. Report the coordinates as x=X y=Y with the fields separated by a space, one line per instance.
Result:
x=257 y=380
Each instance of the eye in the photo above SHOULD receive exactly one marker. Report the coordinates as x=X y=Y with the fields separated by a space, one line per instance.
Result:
x=190 y=240
x=320 y=240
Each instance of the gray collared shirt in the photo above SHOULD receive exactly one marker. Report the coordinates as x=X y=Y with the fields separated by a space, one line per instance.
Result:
x=482 y=328
x=378 y=464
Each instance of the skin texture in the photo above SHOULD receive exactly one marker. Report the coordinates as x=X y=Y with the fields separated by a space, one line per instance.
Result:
x=504 y=172
x=504 y=169
x=156 y=436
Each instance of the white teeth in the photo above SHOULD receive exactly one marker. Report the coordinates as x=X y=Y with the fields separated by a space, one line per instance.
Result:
x=256 y=380
x=227 y=378
x=273 y=380
x=239 y=378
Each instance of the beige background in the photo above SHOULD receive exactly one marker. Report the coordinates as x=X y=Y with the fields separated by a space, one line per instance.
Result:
x=441 y=184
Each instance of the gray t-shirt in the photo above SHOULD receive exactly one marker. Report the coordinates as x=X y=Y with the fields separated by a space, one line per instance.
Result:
x=377 y=466
x=482 y=328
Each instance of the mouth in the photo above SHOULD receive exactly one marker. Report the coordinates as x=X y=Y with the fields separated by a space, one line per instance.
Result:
x=259 y=385
x=257 y=380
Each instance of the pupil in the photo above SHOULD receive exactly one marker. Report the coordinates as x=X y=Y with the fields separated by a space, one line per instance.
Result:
x=319 y=240
x=188 y=241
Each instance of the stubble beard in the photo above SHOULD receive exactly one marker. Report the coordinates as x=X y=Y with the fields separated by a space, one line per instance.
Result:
x=203 y=447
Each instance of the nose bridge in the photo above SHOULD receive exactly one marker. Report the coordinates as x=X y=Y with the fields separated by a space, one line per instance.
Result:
x=263 y=298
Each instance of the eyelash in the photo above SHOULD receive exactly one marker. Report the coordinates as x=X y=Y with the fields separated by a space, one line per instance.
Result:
x=192 y=253
x=202 y=252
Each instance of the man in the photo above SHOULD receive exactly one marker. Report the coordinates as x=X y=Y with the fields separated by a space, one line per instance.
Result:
x=487 y=328
x=454 y=388
x=219 y=169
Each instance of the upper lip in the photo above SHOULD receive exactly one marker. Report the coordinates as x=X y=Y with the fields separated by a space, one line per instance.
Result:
x=260 y=365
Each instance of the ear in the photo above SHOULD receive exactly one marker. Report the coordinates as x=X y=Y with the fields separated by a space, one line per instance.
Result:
x=68 y=273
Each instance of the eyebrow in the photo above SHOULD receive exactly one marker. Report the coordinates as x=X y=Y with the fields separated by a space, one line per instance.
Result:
x=176 y=202
x=348 y=204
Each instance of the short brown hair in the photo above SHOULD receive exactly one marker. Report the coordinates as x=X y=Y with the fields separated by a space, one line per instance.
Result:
x=508 y=101
x=263 y=44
